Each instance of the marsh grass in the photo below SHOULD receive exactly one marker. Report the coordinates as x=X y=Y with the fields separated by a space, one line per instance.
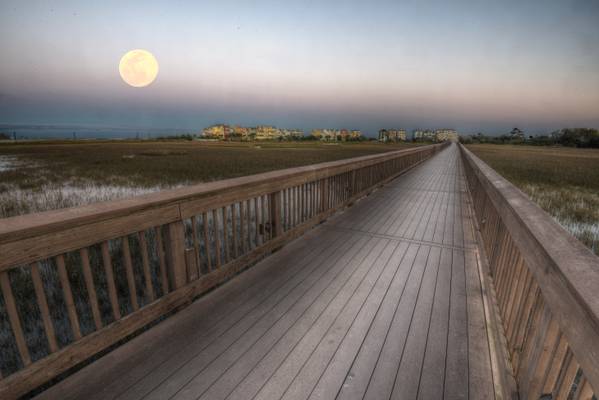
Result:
x=562 y=181
x=42 y=176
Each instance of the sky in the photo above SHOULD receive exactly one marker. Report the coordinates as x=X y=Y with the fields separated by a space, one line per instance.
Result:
x=469 y=65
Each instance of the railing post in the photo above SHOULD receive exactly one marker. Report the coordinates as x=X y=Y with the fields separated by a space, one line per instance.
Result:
x=175 y=254
x=274 y=202
x=324 y=190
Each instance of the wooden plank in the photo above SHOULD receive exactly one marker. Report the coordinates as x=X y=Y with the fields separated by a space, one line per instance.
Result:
x=433 y=372
x=356 y=380
x=286 y=331
x=410 y=367
x=91 y=288
x=42 y=302
x=383 y=377
x=190 y=381
x=13 y=317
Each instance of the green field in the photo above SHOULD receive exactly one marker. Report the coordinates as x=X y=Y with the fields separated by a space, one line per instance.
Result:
x=564 y=181
x=38 y=176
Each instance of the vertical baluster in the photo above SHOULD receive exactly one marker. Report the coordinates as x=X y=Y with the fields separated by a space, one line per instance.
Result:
x=301 y=202
x=196 y=242
x=216 y=237
x=248 y=216
x=226 y=233
x=234 y=227
x=13 y=316
x=162 y=260
x=584 y=392
x=40 y=294
x=265 y=218
x=564 y=386
x=285 y=208
x=91 y=289
x=274 y=204
x=257 y=221
x=143 y=246
x=206 y=240
x=114 y=303
x=242 y=226
x=68 y=296
x=129 y=272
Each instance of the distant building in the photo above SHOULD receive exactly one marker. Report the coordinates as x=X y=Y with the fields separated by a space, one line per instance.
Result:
x=291 y=133
x=355 y=134
x=443 y=135
x=330 y=135
x=267 y=132
x=218 y=131
x=420 y=134
x=392 y=135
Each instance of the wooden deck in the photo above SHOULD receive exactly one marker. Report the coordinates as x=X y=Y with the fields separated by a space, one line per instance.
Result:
x=381 y=301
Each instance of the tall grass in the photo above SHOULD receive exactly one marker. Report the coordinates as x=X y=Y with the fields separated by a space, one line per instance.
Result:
x=562 y=181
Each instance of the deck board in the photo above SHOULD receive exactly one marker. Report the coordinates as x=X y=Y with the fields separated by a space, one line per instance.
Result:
x=382 y=301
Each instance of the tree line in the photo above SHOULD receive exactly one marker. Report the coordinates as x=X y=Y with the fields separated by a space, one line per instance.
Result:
x=571 y=137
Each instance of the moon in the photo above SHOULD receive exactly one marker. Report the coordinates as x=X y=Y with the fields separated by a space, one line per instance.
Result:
x=138 y=68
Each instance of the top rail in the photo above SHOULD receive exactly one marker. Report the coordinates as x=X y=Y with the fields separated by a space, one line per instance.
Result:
x=547 y=285
x=76 y=281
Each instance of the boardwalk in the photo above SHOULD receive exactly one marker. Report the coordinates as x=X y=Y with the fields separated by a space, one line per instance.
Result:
x=381 y=301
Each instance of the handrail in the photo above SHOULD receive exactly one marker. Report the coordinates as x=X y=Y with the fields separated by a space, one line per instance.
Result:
x=103 y=271
x=547 y=286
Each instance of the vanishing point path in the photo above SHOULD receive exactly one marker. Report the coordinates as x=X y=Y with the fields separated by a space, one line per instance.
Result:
x=384 y=300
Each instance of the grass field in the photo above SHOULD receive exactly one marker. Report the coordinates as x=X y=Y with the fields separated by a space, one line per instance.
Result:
x=38 y=176
x=563 y=181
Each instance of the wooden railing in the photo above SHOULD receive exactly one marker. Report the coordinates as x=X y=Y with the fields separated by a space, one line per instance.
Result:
x=75 y=282
x=547 y=289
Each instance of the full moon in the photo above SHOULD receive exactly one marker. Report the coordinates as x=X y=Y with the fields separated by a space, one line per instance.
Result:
x=138 y=68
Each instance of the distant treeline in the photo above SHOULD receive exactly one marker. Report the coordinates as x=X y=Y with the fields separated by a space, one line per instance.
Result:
x=571 y=137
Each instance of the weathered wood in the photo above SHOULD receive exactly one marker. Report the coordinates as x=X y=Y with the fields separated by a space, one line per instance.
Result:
x=68 y=296
x=90 y=286
x=143 y=248
x=13 y=317
x=275 y=214
x=226 y=234
x=166 y=211
x=112 y=296
x=196 y=243
x=557 y=267
x=162 y=259
x=42 y=302
x=129 y=273
x=175 y=254
x=207 y=241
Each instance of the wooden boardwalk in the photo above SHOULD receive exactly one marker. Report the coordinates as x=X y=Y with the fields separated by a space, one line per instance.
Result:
x=381 y=301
